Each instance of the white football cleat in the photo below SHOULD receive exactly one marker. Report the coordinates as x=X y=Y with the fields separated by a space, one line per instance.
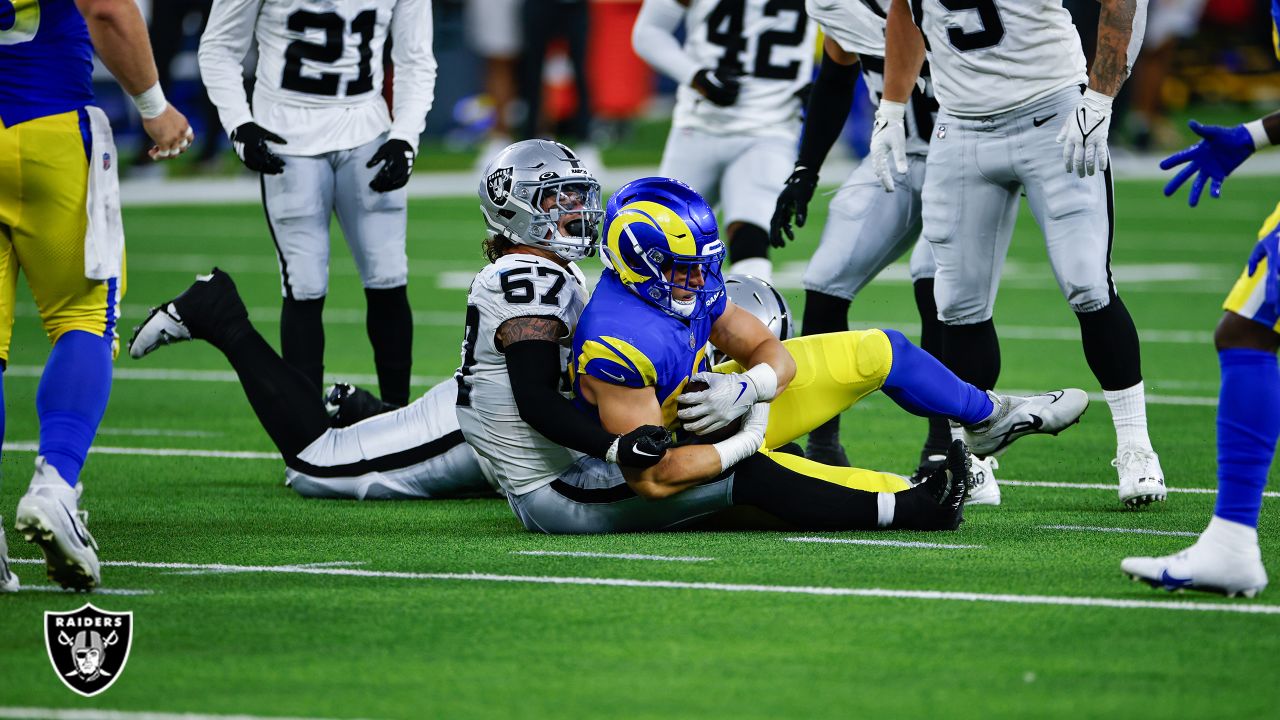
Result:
x=8 y=580
x=1141 y=479
x=49 y=516
x=162 y=327
x=1208 y=565
x=983 y=489
x=1015 y=416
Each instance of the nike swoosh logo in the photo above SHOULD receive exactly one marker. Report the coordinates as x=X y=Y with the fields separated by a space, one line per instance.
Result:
x=1040 y=121
x=642 y=453
x=616 y=378
x=74 y=526
x=744 y=389
x=1173 y=582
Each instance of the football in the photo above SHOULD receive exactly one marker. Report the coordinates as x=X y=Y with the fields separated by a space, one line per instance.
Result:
x=716 y=436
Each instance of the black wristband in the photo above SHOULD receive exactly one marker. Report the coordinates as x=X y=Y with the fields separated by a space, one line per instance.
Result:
x=828 y=109
x=534 y=369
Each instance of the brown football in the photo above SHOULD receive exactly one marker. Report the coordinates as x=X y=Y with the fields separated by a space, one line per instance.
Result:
x=723 y=433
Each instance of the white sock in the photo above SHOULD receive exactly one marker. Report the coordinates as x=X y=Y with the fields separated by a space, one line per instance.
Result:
x=1231 y=534
x=1129 y=413
x=886 y=503
x=757 y=266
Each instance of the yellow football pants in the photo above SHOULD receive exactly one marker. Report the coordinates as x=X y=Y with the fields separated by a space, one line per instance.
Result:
x=43 y=181
x=833 y=372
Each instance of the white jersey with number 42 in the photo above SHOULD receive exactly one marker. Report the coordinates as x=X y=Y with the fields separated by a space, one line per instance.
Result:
x=992 y=56
x=769 y=43
x=516 y=285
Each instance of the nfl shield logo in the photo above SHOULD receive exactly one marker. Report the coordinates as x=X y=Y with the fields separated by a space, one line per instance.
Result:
x=106 y=161
x=942 y=131
x=498 y=185
x=88 y=647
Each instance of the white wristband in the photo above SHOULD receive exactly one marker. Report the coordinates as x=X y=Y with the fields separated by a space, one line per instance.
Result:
x=150 y=102
x=890 y=110
x=741 y=446
x=765 y=378
x=611 y=455
x=1258 y=133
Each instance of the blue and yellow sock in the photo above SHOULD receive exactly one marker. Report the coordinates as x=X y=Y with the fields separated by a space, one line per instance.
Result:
x=1248 y=427
x=923 y=386
x=71 y=399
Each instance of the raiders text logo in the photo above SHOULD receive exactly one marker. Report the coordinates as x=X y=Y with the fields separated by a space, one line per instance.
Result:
x=498 y=185
x=88 y=647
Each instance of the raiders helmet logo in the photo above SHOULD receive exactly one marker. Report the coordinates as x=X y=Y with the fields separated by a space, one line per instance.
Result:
x=498 y=185
x=88 y=647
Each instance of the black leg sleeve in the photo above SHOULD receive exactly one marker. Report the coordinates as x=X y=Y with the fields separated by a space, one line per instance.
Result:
x=939 y=437
x=390 y=324
x=800 y=500
x=825 y=314
x=302 y=337
x=748 y=241
x=1111 y=346
x=972 y=352
x=287 y=404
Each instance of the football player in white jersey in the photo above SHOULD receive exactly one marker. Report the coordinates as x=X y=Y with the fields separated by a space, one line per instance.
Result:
x=321 y=136
x=1019 y=114
x=865 y=231
x=741 y=72
x=418 y=451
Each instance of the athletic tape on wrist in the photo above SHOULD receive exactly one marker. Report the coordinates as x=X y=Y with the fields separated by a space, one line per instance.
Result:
x=1258 y=133
x=151 y=103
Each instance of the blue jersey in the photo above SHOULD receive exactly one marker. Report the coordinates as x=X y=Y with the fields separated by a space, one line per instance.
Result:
x=46 y=60
x=622 y=339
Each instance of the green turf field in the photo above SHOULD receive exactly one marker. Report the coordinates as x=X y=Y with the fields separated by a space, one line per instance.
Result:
x=435 y=609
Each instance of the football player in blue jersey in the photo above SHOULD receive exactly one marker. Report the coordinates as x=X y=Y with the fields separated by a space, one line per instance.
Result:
x=642 y=339
x=1226 y=558
x=60 y=225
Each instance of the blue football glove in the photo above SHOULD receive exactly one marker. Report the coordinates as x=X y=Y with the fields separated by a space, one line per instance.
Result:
x=1221 y=151
x=1269 y=247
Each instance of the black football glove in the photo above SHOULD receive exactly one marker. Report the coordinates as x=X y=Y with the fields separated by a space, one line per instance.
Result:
x=718 y=86
x=794 y=199
x=250 y=141
x=640 y=448
x=397 y=159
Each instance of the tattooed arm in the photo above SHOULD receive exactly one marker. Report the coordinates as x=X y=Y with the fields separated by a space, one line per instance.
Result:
x=1120 y=29
x=532 y=348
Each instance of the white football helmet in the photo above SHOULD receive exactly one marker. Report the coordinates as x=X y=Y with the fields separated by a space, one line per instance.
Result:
x=529 y=186
x=761 y=299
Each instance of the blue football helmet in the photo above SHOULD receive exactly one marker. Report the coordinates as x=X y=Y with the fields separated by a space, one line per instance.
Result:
x=661 y=238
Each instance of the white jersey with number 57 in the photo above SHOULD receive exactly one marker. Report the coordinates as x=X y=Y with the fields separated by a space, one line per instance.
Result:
x=769 y=43
x=992 y=56
x=514 y=286
x=318 y=82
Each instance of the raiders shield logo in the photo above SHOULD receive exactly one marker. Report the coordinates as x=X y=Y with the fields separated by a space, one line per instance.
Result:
x=498 y=185
x=88 y=647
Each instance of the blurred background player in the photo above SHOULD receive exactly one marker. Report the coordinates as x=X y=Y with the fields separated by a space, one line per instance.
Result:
x=1169 y=23
x=1226 y=558
x=865 y=230
x=741 y=72
x=320 y=133
x=60 y=224
x=1009 y=79
x=493 y=32
x=542 y=21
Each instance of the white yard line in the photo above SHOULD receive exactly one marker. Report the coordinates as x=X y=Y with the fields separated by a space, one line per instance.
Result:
x=156 y=432
x=158 y=452
x=938 y=595
x=99 y=591
x=34 y=713
x=884 y=543
x=614 y=556
x=220 y=376
x=1127 y=531
x=1104 y=486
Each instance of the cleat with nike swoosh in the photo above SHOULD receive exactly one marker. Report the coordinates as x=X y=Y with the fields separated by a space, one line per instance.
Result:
x=1014 y=416
x=49 y=516
x=1208 y=566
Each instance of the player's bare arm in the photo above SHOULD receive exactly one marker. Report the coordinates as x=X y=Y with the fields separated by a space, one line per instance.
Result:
x=120 y=38
x=624 y=409
x=904 y=57
x=1117 y=30
x=742 y=336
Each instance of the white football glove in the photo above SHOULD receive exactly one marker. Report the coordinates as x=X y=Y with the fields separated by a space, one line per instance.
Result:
x=1084 y=135
x=728 y=397
x=889 y=137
